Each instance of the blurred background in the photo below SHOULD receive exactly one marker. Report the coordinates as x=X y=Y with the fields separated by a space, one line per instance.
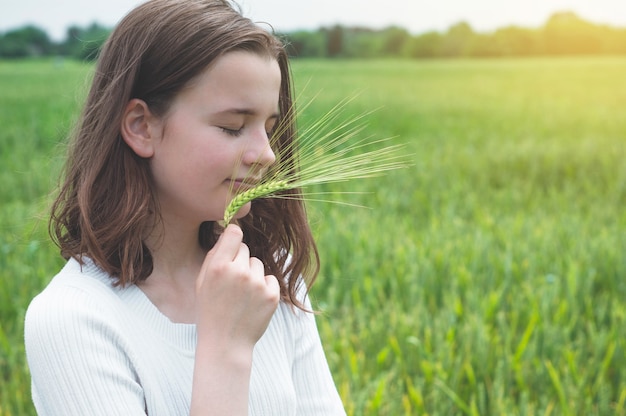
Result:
x=351 y=28
x=488 y=278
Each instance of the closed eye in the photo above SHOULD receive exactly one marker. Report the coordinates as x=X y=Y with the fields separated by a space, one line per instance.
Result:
x=232 y=132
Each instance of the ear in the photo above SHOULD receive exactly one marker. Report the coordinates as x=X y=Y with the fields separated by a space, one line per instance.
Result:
x=139 y=128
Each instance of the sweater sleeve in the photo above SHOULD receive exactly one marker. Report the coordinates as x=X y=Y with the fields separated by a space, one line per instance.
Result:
x=76 y=357
x=313 y=382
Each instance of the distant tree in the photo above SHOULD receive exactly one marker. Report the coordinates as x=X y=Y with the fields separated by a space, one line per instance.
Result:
x=426 y=45
x=305 y=44
x=25 y=42
x=456 y=40
x=335 y=41
x=85 y=43
x=566 y=33
x=394 y=40
x=482 y=46
x=361 y=42
x=614 y=40
x=517 y=41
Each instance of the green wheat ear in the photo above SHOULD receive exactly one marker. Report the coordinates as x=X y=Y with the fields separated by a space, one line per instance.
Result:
x=259 y=191
x=328 y=150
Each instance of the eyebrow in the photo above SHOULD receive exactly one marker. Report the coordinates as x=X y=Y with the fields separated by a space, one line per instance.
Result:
x=246 y=112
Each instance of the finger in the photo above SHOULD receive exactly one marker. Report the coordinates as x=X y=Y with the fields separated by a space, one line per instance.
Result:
x=273 y=288
x=243 y=255
x=256 y=266
x=229 y=243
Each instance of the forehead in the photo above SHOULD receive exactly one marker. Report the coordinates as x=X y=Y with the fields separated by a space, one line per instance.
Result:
x=237 y=77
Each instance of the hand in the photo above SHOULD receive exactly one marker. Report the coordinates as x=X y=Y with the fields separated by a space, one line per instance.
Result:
x=235 y=300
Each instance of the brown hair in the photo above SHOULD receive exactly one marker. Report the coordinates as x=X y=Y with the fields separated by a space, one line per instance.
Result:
x=106 y=202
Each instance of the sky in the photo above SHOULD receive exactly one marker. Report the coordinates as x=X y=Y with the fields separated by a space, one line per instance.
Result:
x=418 y=16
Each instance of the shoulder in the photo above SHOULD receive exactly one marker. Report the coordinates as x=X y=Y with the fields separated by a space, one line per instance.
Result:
x=79 y=349
x=76 y=282
x=77 y=294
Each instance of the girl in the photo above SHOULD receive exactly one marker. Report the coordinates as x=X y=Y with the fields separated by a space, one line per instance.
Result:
x=159 y=310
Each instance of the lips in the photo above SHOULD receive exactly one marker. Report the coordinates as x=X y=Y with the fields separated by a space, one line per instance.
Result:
x=242 y=184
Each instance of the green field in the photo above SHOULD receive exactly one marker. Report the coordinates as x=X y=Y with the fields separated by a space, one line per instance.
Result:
x=489 y=278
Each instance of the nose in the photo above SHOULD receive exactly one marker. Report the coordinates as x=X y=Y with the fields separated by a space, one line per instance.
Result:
x=259 y=151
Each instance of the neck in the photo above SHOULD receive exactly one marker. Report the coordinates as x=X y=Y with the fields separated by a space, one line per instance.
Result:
x=177 y=259
x=175 y=247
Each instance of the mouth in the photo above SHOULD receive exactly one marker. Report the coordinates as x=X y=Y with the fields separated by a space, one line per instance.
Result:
x=242 y=184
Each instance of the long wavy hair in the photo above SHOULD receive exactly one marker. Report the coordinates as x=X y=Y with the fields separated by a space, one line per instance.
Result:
x=106 y=202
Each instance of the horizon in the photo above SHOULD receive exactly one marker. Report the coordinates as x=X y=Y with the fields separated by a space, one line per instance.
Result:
x=290 y=16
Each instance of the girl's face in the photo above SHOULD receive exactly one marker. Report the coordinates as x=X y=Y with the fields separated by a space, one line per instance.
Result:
x=215 y=138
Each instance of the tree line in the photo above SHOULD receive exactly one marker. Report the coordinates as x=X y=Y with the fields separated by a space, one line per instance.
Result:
x=564 y=33
x=30 y=41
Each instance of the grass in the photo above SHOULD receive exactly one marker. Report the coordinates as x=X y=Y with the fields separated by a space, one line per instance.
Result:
x=487 y=279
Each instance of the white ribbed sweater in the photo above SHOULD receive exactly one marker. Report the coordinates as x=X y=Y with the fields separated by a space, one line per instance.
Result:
x=94 y=349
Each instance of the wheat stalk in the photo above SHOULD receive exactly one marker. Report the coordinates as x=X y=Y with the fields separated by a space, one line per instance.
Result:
x=264 y=189
x=329 y=150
